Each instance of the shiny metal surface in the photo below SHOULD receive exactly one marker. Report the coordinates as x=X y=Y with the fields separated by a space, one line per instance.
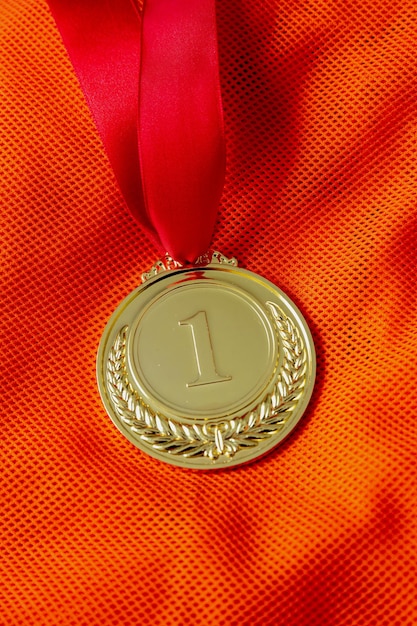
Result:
x=206 y=367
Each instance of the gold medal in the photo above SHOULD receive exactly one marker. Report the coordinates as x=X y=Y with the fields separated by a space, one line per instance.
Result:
x=206 y=366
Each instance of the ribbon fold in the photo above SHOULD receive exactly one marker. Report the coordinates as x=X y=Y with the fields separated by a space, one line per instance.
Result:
x=151 y=81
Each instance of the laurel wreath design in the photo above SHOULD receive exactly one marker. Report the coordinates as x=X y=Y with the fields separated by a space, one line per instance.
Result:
x=211 y=440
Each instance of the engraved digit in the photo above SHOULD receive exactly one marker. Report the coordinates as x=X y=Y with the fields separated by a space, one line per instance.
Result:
x=203 y=351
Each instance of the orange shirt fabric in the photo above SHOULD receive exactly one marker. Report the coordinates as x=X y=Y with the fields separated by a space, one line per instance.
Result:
x=321 y=122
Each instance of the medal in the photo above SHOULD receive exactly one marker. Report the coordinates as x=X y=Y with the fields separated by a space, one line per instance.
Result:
x=205 y=365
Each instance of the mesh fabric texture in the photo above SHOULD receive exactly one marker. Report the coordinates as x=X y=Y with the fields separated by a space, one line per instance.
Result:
x=321 y=121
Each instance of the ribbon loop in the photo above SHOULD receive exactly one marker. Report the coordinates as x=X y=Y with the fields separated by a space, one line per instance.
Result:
x=151 y=81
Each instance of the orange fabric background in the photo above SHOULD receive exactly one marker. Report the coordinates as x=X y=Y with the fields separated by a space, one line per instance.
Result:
x=321 y=121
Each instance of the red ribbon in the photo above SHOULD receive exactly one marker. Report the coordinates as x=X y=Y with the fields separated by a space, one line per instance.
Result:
x=151 y=80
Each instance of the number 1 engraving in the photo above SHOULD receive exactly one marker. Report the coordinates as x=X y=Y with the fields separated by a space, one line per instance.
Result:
x=203 y=351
